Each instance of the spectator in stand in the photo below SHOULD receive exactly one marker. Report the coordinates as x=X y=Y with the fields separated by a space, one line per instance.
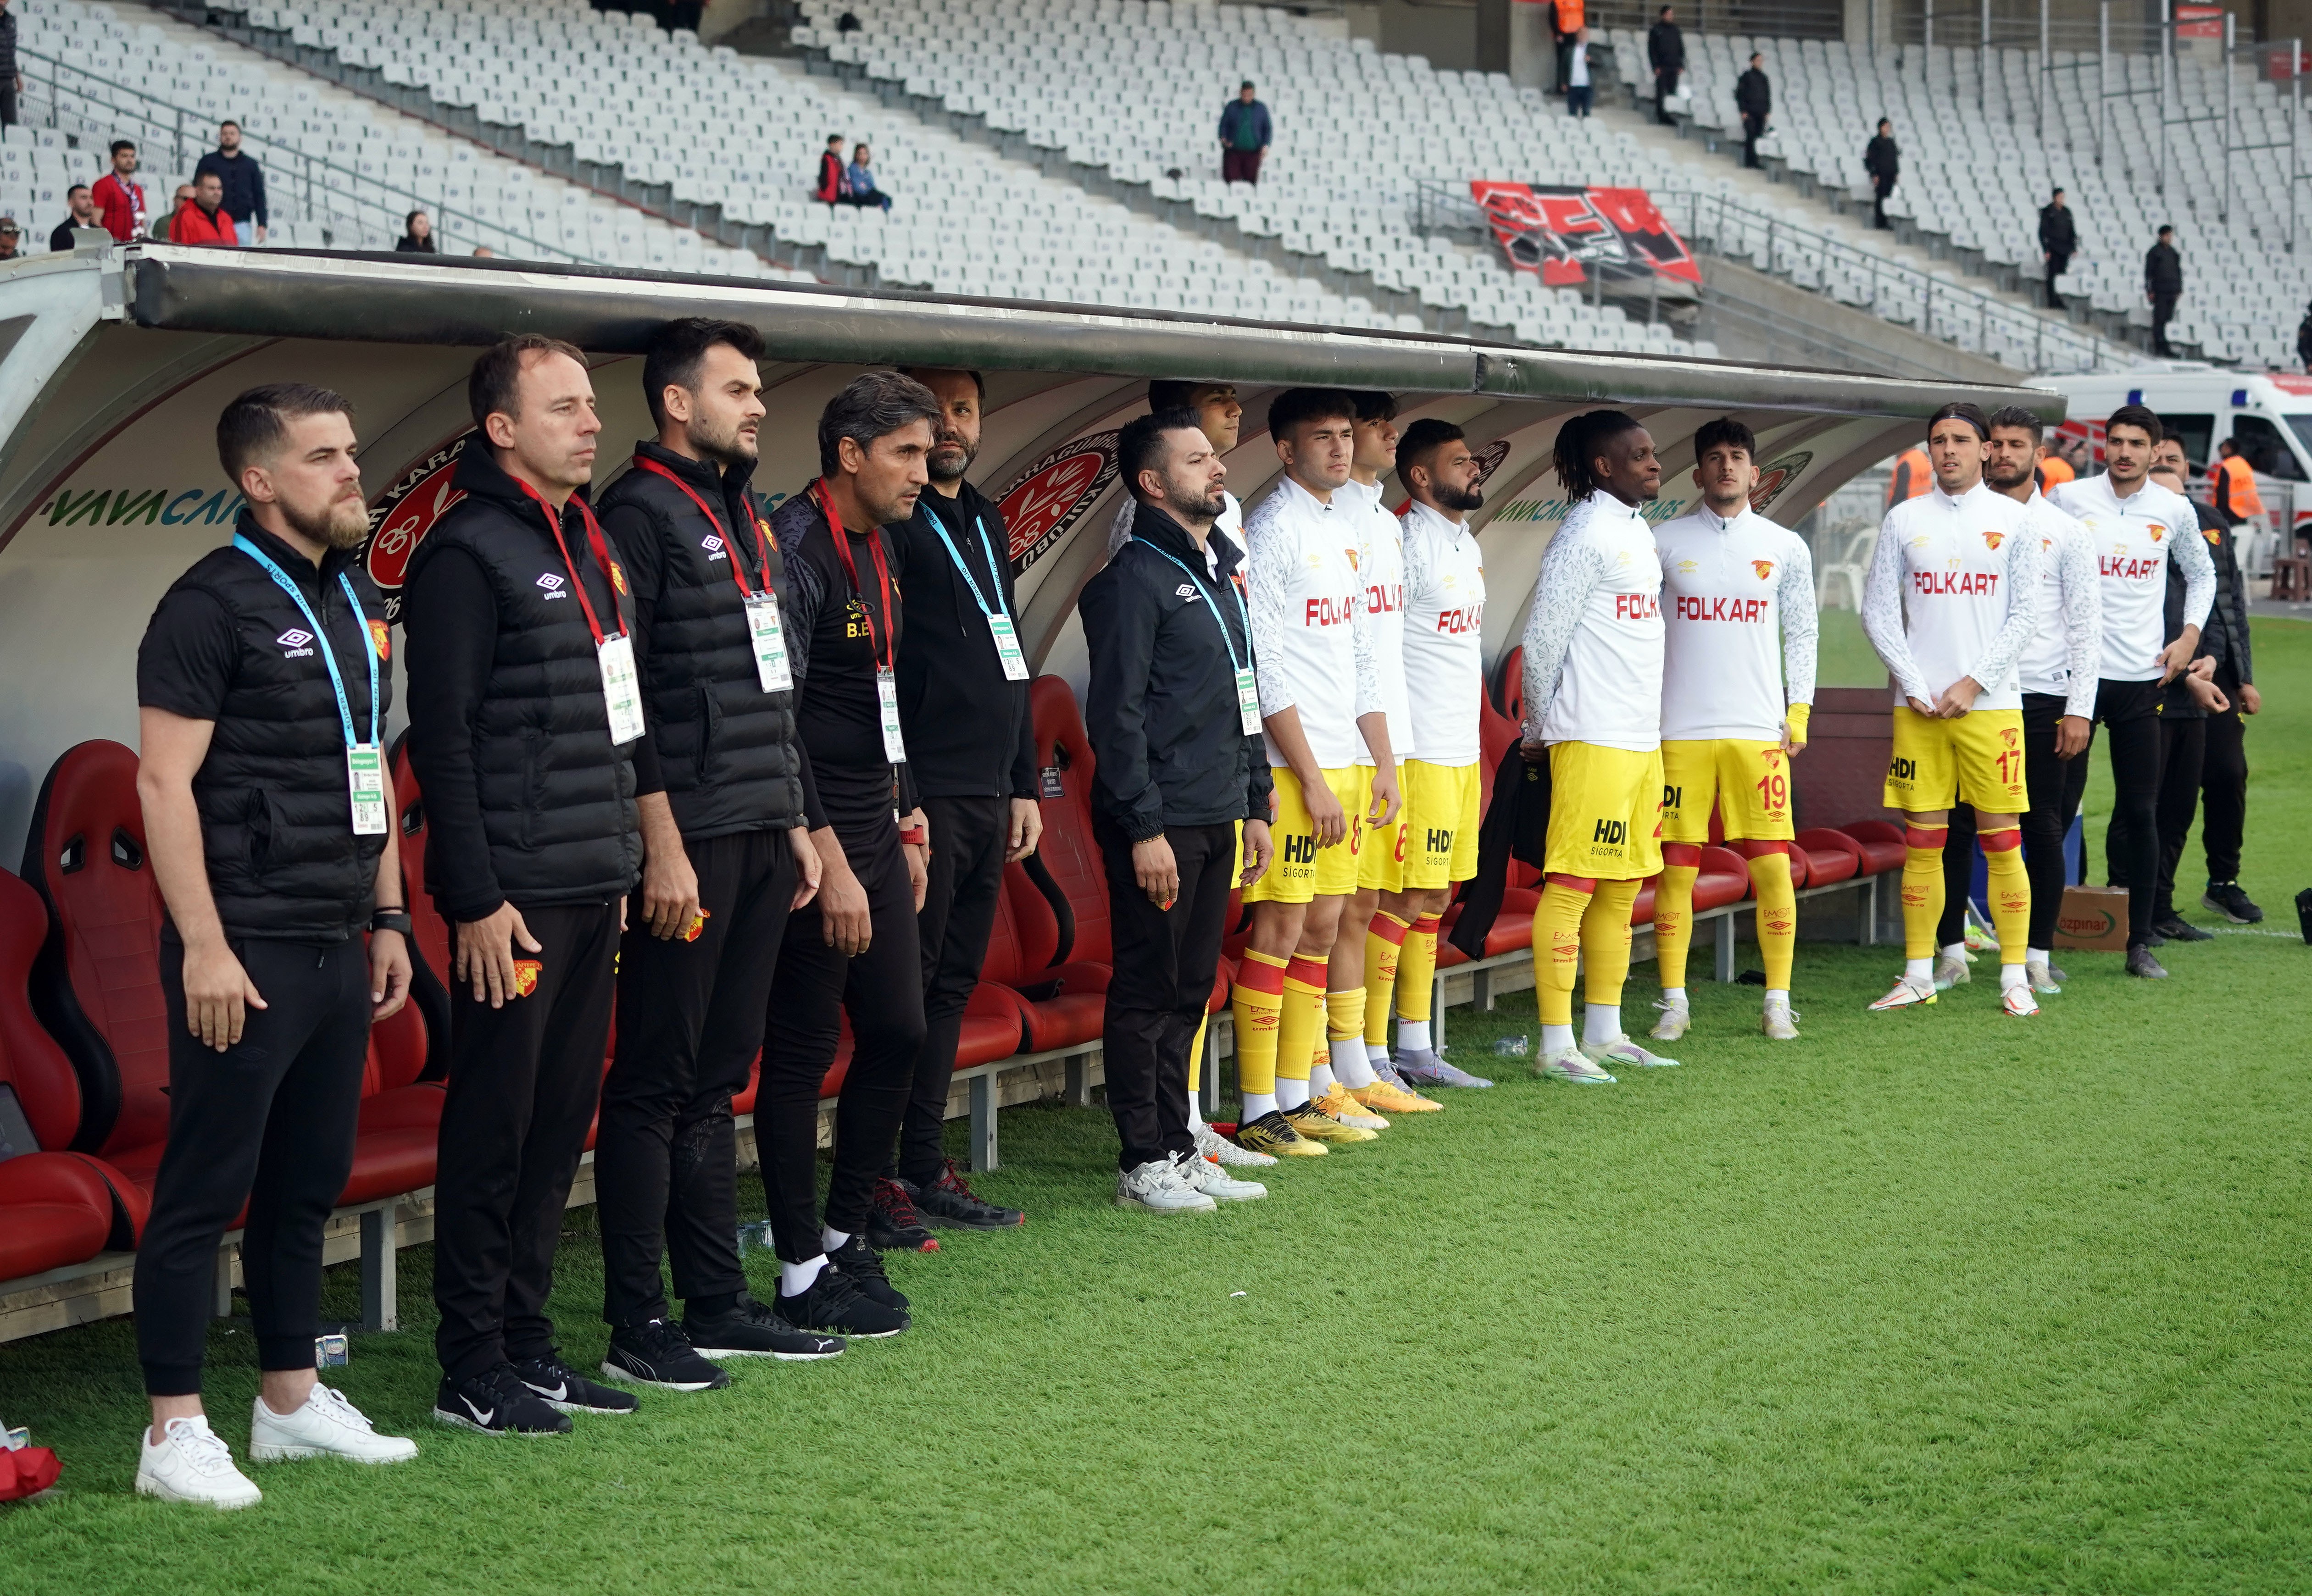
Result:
x=11 y=78
x=1579 y=93
x=120 y=203
x=1754 y=97
x=860 y=177
x=1882 y=158
x=2304 y=339
x=11 y=235
x=417 y=235
x=83 y=214
x=201 y=218
x=1666 y=54
x=243 y=181
x=2059 y=237
x=1566 y=19
x=1245 y=133
x=831 y=186
x=2163 y=285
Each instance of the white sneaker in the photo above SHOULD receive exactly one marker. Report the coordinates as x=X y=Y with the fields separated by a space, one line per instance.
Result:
x=1621 y=1051
x=1159 y=1187
x=1675 y=1018
x=2042 y=978
x=2016 y=1001
x=193 y=1464
x=1950 y=972
x=1212 y=1144
x=325 y=1427
x=1200 y=1173
x=1571 y=1068
x=1780 y=1022
x=1906 y=994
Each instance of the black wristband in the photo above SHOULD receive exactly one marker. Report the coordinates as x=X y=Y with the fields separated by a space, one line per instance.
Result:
x=392 y=919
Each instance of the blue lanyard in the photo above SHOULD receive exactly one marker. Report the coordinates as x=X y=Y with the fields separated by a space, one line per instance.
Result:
x=964 y=571
x=322 y=639
x=1213 y=604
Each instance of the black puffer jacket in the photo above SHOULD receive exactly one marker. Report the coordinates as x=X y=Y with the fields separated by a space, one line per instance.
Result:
x=527 y=799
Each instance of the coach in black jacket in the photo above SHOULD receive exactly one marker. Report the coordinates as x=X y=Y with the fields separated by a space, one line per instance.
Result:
x=1175 y=739
x=521 y=728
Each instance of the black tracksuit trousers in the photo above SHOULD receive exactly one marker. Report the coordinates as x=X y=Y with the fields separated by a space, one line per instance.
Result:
x=2183 y=749
x=525 y=1080
x=1162 y=981
x=690 y=1024
x=268 y=1121
x=970 y=838
x=2223 y=786
x=881 y=990
x=2130 y=710
x=2055 y=787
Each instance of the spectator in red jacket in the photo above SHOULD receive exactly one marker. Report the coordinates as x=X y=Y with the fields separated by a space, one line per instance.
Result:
x=203 y=219
x=833 y=181
x=120 y=203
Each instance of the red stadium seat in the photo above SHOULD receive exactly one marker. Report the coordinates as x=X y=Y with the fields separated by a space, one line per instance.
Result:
x=1878 y=842
x=429 y=948
x=1831 y=856
x=54 y=1211
x=1725 y=878
x=1070 y=856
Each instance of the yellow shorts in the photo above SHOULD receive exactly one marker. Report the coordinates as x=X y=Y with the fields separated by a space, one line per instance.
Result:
x=1380 y=861
x=1441 y=824
x=1977 y=759
x=1750 y=780
x=1605 y=811
x=1299 y=871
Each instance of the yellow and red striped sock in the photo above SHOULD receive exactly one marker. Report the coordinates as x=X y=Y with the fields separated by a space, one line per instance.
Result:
x=2008 y=886
x=1674 y=911
x=1384 y=945
x=1258 y=1004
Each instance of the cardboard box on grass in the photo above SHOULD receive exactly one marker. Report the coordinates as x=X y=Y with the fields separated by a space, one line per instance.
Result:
x=2094 y=918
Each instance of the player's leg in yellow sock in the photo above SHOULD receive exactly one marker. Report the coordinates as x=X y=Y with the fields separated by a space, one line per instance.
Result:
x=1674 y=933
x=1606 y=958
x=1922 y=894
x=1416 y=981
x=1258 y=1004
x=1299 y=1025
x=1384 y=944
x=2010 y=890
x=1778 y=911
x=1556 y=955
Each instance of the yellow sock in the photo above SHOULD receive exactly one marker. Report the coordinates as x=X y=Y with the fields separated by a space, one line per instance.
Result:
x=1606 y=943
x=1778 y=916
x=1344 y=1014
x=1302 y=1021
x=1557 y=945
x=1197 y=1057
x=1922 y=889
x=1384 y=942
x=1257 y=1003
x=2008 y=888
x=1416 y=971
x=1674 y=911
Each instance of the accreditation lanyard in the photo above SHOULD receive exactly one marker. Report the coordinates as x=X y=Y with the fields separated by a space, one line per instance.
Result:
x=622 y=697
x=364 y=762
x=999 y=618
x=886 y=683
x=772 y=669
x=1248 y=691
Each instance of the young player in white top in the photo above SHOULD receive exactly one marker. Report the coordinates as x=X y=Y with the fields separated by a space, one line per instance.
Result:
x=2057 y=674
x=1593 y=675
x=1733 y=717
x=1320 y=702
x=1949 y=602
x=1444 y=669
x=2137 y=527
x=1350 y=1089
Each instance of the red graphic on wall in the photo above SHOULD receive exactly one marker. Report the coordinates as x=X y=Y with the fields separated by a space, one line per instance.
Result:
x=1053 y=493
x=1565 y=233
x=404 y=513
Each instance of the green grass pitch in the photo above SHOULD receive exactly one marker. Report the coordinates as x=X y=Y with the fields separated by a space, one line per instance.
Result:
x=1926 y=1300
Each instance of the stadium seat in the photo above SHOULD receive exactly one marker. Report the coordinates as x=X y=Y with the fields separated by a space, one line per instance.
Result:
x=1831 y=856
x=54 y=1211
x=429 y=947
x=1879 y=845
x=1070 y=856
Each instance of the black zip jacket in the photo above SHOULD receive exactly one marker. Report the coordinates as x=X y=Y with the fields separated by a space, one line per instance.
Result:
x=1666 y=48
x=2230 y=612
x=2176 y=701
x=244 y=185
x=527 y=799
x=1161 y=713
x=2059 y=234
x=2163 y=270
x=969 y=730
x=1882 y=158
x=724 y=751
x=1753 y=95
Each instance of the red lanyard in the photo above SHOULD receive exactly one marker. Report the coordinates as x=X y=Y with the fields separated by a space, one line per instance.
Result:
x=882 y=645
x=601 y=555
x=738 y=566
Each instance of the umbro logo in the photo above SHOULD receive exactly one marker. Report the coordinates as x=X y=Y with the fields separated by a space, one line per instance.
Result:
x=296 y=644
x=1185 y=590
x=552 y=585
x=712 y=545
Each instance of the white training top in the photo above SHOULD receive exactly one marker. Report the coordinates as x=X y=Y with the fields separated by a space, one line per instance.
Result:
x=1593 y=642
x=1727 y=587
x=1119 y=530
x=2134 y=539
x=1444 y=642
x=1953 y=591
x=2066 y=646
x=1380 y=562
x=1304 y=593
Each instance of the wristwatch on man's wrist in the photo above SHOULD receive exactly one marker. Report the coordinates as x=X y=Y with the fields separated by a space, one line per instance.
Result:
x=392 y=919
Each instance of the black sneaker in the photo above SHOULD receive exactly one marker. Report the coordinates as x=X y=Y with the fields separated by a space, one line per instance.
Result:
x=947 y=1202
x=2176 y=929
x=834 y=1303
x=857 y=1260
x=495 y=1403
x=892 y=1221
x=2226 y=899
x=658 y=1354
x=750 y=1330
x=564 y=1390
x=2139 y=962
